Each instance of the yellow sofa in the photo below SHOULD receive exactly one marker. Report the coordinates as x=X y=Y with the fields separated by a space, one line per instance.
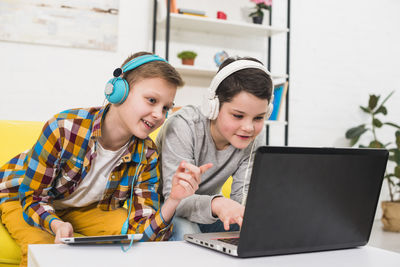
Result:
x=16 y=137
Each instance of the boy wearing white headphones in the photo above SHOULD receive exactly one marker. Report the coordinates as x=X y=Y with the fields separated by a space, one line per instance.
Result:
x=87 y=162
x=224 y=131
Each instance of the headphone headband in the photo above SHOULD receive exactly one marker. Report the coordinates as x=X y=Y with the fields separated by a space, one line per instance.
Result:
x=137 y=61
x=232 y=68
x=210 y=106
x=117 y=88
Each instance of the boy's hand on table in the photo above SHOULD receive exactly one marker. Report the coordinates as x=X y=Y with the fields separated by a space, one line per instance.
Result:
x=186 y=180
x=61 y=229
x=228 y=211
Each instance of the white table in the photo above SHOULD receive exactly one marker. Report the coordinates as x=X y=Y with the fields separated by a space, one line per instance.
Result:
x=183 y=254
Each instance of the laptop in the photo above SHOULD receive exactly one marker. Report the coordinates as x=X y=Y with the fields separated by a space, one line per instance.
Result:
x=102 y=239
x=305 y=200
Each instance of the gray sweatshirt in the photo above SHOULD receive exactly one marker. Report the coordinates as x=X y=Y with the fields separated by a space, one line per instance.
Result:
x=186 y=136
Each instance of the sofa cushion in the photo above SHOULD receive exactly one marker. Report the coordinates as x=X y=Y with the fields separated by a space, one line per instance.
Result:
x=15 y=137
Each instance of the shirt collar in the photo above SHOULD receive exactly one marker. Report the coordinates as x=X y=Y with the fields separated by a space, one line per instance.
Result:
x=132 y=153
x=98 y=121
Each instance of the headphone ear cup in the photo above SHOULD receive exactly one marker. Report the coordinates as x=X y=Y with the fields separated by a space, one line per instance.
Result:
x=269 y=111
x=214 y=108
x=116 y=90
x=270 y=105
x=210 y=107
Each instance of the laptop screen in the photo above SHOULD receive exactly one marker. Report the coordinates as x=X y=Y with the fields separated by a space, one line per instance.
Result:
x=310 y=199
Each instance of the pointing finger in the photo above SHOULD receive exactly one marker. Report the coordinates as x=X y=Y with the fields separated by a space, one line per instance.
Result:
x=205 y=167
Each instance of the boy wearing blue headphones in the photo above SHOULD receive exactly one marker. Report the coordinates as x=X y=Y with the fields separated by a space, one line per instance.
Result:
x=88 y=162
x=225 y=131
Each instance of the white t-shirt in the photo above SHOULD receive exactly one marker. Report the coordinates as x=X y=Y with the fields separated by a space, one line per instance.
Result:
x=92 y=187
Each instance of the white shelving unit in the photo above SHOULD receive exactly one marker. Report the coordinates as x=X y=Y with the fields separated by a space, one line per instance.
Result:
x=210 y=72
x=218 y=26
x=181 y=22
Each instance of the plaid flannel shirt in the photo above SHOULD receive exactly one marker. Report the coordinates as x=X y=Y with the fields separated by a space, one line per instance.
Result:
x=57 y=163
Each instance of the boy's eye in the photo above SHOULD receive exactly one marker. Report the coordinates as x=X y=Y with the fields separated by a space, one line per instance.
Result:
x=166 y=109
x=237 y=116
x=259 y=118
x=152 y=100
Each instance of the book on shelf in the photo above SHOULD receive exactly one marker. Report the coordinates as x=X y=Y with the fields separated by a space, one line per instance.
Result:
x=191 y=11
x=190 y=14
x=173 y=8
x=280 y=91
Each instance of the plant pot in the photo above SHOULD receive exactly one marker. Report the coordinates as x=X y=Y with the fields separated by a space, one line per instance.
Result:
x=258 y=20
x=391 y=216
x=188 y=61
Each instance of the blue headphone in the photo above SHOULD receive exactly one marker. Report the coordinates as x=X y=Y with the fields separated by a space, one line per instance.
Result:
x=117 y=88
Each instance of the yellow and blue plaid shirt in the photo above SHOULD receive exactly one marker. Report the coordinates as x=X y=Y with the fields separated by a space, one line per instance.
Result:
x=58 y=162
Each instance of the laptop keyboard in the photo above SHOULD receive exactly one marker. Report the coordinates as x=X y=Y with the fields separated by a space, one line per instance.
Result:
x=233 y=241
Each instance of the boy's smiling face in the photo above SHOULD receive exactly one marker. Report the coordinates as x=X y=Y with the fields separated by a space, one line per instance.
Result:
x=145 y=108
x=239 y=121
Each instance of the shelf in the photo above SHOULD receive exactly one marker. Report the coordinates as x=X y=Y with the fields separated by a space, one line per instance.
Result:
x=275 y=123
x=195 y=71
x=218 y=26
x=210 y=72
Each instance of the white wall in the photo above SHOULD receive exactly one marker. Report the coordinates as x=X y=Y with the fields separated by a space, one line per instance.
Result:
x=341 y=52
x=39 y=81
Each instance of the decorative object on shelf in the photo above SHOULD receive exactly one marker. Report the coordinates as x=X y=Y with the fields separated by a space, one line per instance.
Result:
x=221 y=15
x=219 y=57
x=258 y=14
x=187 y=57
x=279 y=98
x=391 y=209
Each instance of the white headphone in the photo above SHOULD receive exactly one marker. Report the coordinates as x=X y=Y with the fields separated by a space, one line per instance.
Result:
x=210 y=106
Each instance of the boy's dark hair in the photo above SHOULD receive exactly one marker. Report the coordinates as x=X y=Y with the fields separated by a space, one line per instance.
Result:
x=153 y=69
x=253 y=81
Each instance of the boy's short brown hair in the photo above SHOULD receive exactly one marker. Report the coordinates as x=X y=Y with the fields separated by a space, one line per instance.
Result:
x=251 y=80
x=153 y=69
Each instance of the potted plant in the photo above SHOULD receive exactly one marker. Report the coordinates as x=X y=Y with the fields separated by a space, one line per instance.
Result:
x=187 y=57
x=258 y=14
x=391 y=209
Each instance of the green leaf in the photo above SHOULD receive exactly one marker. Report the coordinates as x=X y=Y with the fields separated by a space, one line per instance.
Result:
x=366 y=110
x=396 y=157
x=354 y=141
x=386 y=99
x=375 y=144
x=382 y=110
x=397 y=171
x=397 y=134
x=392 y=124
x=373 y=101
x=377 y=123
x=356 y=132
